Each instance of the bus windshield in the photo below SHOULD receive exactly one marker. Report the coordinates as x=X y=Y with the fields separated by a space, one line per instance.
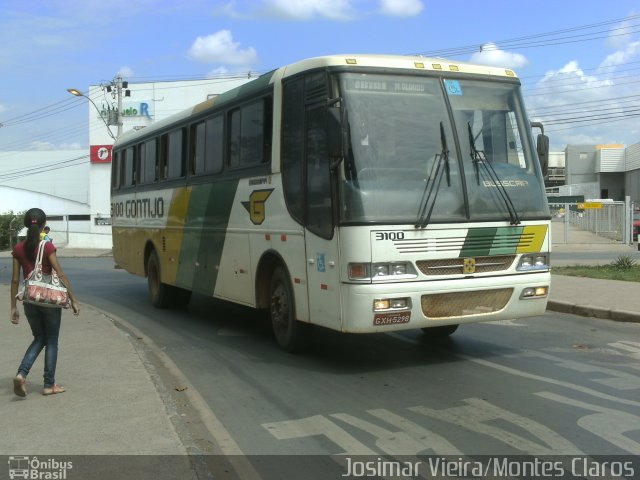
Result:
x=400 y=128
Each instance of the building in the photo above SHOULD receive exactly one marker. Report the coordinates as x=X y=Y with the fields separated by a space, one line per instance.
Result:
x=604 y=171
x=72 y=186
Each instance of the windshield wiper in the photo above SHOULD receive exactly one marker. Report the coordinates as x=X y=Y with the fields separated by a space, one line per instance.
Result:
x=439 y=167
x=480 y=159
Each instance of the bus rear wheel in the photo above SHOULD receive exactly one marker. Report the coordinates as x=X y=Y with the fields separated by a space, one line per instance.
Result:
x=291 y=334
x=161 y=294
x=440 y=332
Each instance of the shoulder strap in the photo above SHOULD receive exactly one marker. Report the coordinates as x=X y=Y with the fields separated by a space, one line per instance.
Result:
x=40 y=253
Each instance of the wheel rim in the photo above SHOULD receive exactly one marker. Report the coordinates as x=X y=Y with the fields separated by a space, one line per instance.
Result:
x=280 y=309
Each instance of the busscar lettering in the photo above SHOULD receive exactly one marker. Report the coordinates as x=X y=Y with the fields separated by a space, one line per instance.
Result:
x=139 y=208
x=506 y=183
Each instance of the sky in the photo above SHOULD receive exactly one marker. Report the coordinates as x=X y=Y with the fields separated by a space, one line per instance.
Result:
x=579 y=61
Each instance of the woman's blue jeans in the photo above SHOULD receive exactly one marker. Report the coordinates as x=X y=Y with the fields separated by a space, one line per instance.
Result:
x=45 y=326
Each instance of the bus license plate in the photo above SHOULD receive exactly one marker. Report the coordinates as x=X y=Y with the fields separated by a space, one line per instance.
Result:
x=391 y=318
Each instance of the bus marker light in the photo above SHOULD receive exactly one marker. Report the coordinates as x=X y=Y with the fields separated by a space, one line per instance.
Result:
x=534 y=292
x=382 y=304
x=267 y=236
x=352 y=61
x=358 y=271
x=283 y=238
x=324 y=286
x=419 y=64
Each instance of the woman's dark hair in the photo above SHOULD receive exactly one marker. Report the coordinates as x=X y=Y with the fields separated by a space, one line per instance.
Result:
x=34 y=220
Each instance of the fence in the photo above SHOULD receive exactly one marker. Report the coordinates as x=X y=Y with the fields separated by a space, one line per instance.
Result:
x=592 y=222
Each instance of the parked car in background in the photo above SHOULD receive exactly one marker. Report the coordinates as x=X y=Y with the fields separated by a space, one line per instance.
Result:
x=636 y=224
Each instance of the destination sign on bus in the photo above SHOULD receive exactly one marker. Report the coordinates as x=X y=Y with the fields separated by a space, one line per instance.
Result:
x=391 y=86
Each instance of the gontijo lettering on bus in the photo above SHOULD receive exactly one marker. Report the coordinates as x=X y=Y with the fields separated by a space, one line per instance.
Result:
x=139 y=208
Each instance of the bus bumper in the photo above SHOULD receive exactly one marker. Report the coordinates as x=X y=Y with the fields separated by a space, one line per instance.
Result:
x=437 y=303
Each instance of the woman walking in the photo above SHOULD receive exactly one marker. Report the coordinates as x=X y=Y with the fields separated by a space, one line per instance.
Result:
x=44 y=321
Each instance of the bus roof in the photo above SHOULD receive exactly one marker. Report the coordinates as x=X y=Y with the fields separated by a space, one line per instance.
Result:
x=405 y=62
x=395 y=61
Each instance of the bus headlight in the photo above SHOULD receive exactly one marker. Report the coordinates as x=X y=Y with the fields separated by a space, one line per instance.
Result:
x=537 y=261
x=391 y=271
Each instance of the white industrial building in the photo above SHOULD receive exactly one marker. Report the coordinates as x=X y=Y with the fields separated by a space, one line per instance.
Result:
x=72 y=186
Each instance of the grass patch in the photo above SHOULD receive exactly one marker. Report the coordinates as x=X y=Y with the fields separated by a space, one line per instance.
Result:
x=623 y=268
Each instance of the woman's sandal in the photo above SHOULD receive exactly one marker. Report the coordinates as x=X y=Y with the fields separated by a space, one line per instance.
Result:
x=19 y=387
x=53 y=390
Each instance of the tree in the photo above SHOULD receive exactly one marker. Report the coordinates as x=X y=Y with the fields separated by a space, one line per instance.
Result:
x=10 y=226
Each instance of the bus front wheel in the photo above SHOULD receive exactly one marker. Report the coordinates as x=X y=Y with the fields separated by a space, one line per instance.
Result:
x=291 y=334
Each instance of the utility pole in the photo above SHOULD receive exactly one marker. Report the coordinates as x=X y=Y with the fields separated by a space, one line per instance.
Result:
x=117 y=88
x=119 y=94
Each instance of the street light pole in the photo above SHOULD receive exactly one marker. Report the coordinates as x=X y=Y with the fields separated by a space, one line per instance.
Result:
x=78 y=93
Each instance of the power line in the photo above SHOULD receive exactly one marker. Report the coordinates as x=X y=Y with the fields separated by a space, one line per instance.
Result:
x=514 y=42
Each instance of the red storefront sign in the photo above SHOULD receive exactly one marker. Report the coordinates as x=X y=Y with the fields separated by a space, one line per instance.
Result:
x=100 y=153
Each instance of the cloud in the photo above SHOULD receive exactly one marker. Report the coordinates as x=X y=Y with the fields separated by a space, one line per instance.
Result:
x=578 y=108
x=220 y=48
x=490 y=54
x=620 y=35
x=309 y=9
x=39 y=145
x=401 y=8
x=126 y=72
x=2 y=108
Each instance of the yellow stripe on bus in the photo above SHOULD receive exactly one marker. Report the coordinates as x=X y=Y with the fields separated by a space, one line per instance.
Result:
x=532 y=238
x=174 y=232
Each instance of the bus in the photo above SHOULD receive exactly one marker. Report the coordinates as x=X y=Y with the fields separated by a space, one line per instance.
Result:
x=359 y=193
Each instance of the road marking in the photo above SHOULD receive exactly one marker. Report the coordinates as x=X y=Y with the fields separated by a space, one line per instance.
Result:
x=410 y=440
x=606 y=423
x=618 y=380
x=318 y=425
x=626 y=346
x=478 y=414
x=531 y=376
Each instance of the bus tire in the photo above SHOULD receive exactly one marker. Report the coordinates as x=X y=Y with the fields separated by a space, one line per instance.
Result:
x=180 y=297
x=291 y=334
x=159 y=293
x=440 y=332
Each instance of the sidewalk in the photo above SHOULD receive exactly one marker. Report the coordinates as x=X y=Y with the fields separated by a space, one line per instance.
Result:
x=111 y=406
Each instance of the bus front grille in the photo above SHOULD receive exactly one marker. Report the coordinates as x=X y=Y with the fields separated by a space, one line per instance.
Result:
x=465 y=304
x=456 y=266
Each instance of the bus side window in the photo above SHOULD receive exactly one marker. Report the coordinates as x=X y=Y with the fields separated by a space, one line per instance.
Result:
x=150 y=162
x=197 y=148
x=249 y=134
x=129 y=167
x=291 y=146
x=115 y=167
x=163 y=157
x=214 y=144
x=140 y=164
x=176 y=157
x=319 y=212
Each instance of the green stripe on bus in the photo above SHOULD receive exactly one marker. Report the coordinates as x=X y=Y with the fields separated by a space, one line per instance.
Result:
x=205 y=231
x=491 y=241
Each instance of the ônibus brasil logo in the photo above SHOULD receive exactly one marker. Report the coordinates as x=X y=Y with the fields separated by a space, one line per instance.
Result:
x=33 y=468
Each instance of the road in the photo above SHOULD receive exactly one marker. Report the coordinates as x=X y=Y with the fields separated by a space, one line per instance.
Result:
x=556 y=384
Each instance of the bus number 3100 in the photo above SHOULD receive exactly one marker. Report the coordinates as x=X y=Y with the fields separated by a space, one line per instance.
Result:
x=389 y=236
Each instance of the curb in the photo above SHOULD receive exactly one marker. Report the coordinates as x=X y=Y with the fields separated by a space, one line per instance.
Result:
x=593 y=311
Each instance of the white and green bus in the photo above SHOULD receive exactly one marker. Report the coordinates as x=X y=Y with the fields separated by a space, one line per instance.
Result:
x=360 y=193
